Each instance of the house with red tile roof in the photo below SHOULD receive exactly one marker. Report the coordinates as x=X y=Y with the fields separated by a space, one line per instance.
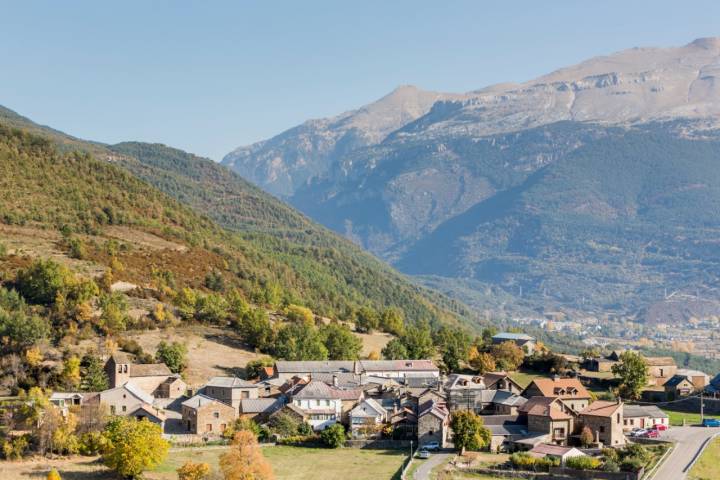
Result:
x=573 y=394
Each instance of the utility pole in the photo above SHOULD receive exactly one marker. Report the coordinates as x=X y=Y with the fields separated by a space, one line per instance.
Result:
x=702 y=410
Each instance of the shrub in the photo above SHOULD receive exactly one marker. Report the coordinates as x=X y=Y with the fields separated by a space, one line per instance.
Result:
x=611 y=466
x=92 y=443
x=333 y=436
x=53 y=475
x=3 y=250
x=76 y=248
x=298 y=440
x=610 y=454
x=583 y=463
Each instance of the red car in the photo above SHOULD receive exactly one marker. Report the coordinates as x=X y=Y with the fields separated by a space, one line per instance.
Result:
x=651 y=434
x=659 y=427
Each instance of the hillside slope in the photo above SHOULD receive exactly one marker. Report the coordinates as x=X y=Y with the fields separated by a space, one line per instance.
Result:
x=270 y=245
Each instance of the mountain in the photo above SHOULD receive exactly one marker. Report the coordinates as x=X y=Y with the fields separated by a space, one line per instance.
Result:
x=592 y=189
x=286 y=162
x=212 y=219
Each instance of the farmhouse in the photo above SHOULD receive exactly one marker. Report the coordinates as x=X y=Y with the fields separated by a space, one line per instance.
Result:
x=605 y=420
x=572 y=393
x=526 y=342
x=203 y=415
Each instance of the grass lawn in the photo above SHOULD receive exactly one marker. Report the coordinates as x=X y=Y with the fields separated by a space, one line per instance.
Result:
x=706 y=467
x=676 y=417
x=525 y=377
x=298 y=463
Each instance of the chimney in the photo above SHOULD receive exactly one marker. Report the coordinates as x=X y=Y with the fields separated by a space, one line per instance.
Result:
x=555 y=377
x=335 y=380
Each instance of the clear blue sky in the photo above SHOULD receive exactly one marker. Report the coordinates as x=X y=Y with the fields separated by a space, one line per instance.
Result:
x=209 y=76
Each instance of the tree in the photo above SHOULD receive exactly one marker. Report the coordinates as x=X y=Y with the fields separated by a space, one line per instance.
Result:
x=392 y=321
x=418 y=341
x=215 y=281
x=373 y=355
x=173 y=355
x=508 y=355
x=42 y=281
x=211 y=308
x=254 y=368
x=297 y=313
x=71 y=372
x=284 y=425
x=114 y=312
x=334 y=436
x=193 y=471
x=22 y=330
x=483 y=363
x=244 y=460
x=366 y=320
x=395 y=350
x=53 y=475
x=633 y=373
x=454 y=346
x=133 y=446
x=255 y=329
x=299 y=341
x=586 y=437
x=469 y=431
x=92 y=374
x=340 y=342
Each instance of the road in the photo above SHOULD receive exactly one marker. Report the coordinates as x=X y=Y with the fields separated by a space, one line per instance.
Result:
x=423 y=471
x=688 y=440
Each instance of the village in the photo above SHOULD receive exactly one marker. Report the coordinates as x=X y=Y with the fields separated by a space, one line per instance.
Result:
x=546 y=422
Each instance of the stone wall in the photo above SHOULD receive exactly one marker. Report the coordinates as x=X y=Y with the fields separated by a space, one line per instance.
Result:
x=692 y=404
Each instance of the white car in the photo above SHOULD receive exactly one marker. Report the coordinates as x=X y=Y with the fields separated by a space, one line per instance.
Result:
x=423 y=454
x=638 y=432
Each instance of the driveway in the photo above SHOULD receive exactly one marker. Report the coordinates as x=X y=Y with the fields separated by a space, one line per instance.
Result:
x=423 y=471
x=688 y=440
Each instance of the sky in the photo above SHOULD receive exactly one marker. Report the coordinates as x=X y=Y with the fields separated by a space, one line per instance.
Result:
x=209 y=76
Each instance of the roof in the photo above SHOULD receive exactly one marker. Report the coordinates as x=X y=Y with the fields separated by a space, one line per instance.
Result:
x=399 y=365
x=635 y=411
x=368 y=408
x=512 y=336
x=555 y=450
x=229 y=382
x=506 y=429
x=173 y=378
x=317 y=390
x=659 y=361
x=150 y=410
x=121 y=357
x=200 y=400
x=431 y=407
x=692 y=373
x=533 y=438
x=65 y=395
x=348 y=394
x=261 y=405
x=328 y=366
x=601 y=408
x=268 y=371
x=458 y=381
x=149 y=370
x=491 y=378
x=565 y=388
x=543 y=407
x=139 y=392
x=676 y=380
x=344 y=379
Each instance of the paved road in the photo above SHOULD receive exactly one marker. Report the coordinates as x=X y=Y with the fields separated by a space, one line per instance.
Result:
x=423 y=471
x=689 y=440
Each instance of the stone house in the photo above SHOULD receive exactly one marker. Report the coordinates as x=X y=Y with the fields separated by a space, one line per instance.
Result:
x=367 y=418
x=550 y=417
x=203 y=415
x=526 y=342
x=643 y=416
x=606 y=421
x=230 y=390
x=502 y=381
x=260 y=409
x=149 y=413
x=149 y=377
x=660 y=369
x=433 y=423
x=124 y=399
x=572 y=393
x=678 y=386
x=398 y=369
x=320 y=402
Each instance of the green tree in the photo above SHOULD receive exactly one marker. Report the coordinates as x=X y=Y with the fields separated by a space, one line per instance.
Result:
x=185 y=301
x=297 y=313
x=299 y=341
x=41 y=282
x=392 y=321
x=633 y=373
x=71 y=372
x=469 y=431
x=215 y=281
x=284 y=425
x=22 y=330
x=211 y=308
x=483 y=363
x=173 y=355
x=366 y=320
x=395 y=350
x=114 y=308
x=586 y=437
x=92 y=374
x=253 y=368
x=334 y=436
x=418 y=342
x=255 y=329
x=454 y=345
x=133 y=446
x=340 y=342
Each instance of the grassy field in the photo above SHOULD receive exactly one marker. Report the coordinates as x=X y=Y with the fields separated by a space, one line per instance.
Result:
x=676 y=417
x=706 y=467
x=296 y=463
x=523 y=378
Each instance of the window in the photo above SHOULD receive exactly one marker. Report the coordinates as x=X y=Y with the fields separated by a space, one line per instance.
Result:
x=327 y=403
x=208 y=427
x=244 y=394
x=662 y=372
x=124 y=408
x=112 y=409
x=216 y=414
x=223 y=426
x=602 y=429
x=618 y=418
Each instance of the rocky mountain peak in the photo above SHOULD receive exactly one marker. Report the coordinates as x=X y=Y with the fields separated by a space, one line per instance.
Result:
x=708 y=43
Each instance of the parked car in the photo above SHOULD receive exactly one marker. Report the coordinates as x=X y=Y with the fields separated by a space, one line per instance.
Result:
x=711 y=422
x=659 y=427
x=650 y=434
x=424 y=454
x=638 y=432
x=430 y=446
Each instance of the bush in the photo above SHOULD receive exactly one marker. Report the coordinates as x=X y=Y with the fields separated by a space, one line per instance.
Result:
x=76 y=248
x=298 y=440
x=610 y=454
x=583 y=463
x=632 y=464
x=92 y=443
x=3 y=250
x=333 y=436
x=611 y=466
